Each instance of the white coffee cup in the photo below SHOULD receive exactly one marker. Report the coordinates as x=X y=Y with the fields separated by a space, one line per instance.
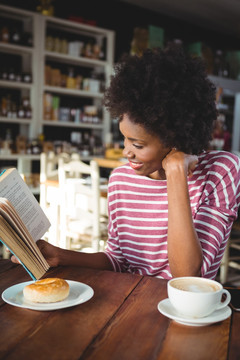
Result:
x=196 y=297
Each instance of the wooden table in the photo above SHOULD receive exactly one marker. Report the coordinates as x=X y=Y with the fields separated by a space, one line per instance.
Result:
x=109 y=163
x=120 y=322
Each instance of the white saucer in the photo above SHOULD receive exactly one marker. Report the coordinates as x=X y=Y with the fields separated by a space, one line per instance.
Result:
x=166 y=309
x=78 y=294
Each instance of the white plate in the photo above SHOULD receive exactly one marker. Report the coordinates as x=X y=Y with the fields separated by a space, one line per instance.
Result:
x=166 y=309
x=78 y=294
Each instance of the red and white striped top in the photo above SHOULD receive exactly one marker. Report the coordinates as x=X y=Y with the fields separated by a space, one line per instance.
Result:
x=138 y=215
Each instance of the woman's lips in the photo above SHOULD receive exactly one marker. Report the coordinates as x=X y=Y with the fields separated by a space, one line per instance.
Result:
x=135 y=165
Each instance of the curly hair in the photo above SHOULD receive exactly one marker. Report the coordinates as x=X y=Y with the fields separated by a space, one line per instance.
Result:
x=167 y=91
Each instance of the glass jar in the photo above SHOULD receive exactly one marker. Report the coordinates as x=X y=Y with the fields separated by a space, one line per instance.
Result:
x=5 y=35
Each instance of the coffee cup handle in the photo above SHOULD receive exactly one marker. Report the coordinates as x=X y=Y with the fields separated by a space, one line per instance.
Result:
x=226 y=300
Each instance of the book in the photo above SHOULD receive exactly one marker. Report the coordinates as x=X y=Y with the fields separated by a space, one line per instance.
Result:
x=22 y=222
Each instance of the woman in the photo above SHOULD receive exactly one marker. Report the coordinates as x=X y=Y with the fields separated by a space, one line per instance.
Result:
x=171 y=208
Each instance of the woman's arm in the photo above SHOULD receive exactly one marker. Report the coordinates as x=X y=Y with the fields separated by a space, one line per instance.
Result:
x=184 y=249
x=56 y=256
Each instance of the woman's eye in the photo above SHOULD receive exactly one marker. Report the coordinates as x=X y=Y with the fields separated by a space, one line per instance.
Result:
x=138 y=146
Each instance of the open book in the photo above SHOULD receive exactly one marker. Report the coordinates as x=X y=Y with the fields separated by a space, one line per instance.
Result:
x=22 y=222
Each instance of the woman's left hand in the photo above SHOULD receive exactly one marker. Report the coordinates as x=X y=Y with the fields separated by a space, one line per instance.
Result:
x=184 y=249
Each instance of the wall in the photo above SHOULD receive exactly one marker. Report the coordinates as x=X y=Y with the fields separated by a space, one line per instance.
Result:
x=123 y=17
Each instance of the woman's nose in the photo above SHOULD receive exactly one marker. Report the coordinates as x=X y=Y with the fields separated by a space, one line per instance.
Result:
x=127 y=152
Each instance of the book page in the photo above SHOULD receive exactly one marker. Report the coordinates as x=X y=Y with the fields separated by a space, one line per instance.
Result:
x=8 y=212
x=14 y=242
x=13 y=187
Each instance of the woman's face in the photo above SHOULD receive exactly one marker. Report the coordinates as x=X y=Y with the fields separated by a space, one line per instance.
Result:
x=144 y=151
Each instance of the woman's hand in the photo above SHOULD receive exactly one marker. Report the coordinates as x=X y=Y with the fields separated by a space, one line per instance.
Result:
x=56 y=256
x=184 y=249
x=50 y=253
x=178 y=160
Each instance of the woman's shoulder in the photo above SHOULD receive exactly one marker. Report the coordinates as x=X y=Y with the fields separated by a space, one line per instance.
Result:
x=221 y=158
x=124 y=174
x=121 y=171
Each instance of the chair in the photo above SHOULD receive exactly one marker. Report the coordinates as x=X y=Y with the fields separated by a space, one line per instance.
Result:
x=49 y=172
x=231 y=257
x=82 y=225
x=49 y=191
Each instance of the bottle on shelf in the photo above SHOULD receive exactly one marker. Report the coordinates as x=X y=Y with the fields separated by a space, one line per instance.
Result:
x=14 y=110
x=79 y=80
x=21 y=112
x=15 y=36
x=27 y=108
x=73 y=114
x=87 y=50
x=9 y=140
x=27 y=77
x=96 y=50
x=71 y=81
x=76 y=141
x=57 y=45
x=4 y=74
x=34 y=147
x=12 y=74
x=49 y=43
x=64 y=46
x=86 y=144
x=18 y=77
x=5 y=35
x=21 y=144
x=55 y=107
x=9 y=110
x=8 y=105
x=47 y=106
x=4 y=106
x=221 y=67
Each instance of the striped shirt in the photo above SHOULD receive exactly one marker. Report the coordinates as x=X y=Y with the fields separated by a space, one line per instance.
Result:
x=138 y=215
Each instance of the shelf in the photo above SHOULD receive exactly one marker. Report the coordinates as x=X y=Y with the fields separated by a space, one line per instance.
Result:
x=15 y=84
x=25 y=63
x=72 y=92
x=72 y=31
x=15 y=14
x=34 y=60
x=15 y=120
x=31 y=157
x=74 y=60
x=230 y=86
x=71 y=26
x=72 y=124
x=15 y=49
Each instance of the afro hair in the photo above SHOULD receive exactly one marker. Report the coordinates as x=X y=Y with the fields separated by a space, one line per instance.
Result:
x=168 y=92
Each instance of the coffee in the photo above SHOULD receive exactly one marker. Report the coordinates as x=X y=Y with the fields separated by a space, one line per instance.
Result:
x=196 y=297
x=194 y=285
